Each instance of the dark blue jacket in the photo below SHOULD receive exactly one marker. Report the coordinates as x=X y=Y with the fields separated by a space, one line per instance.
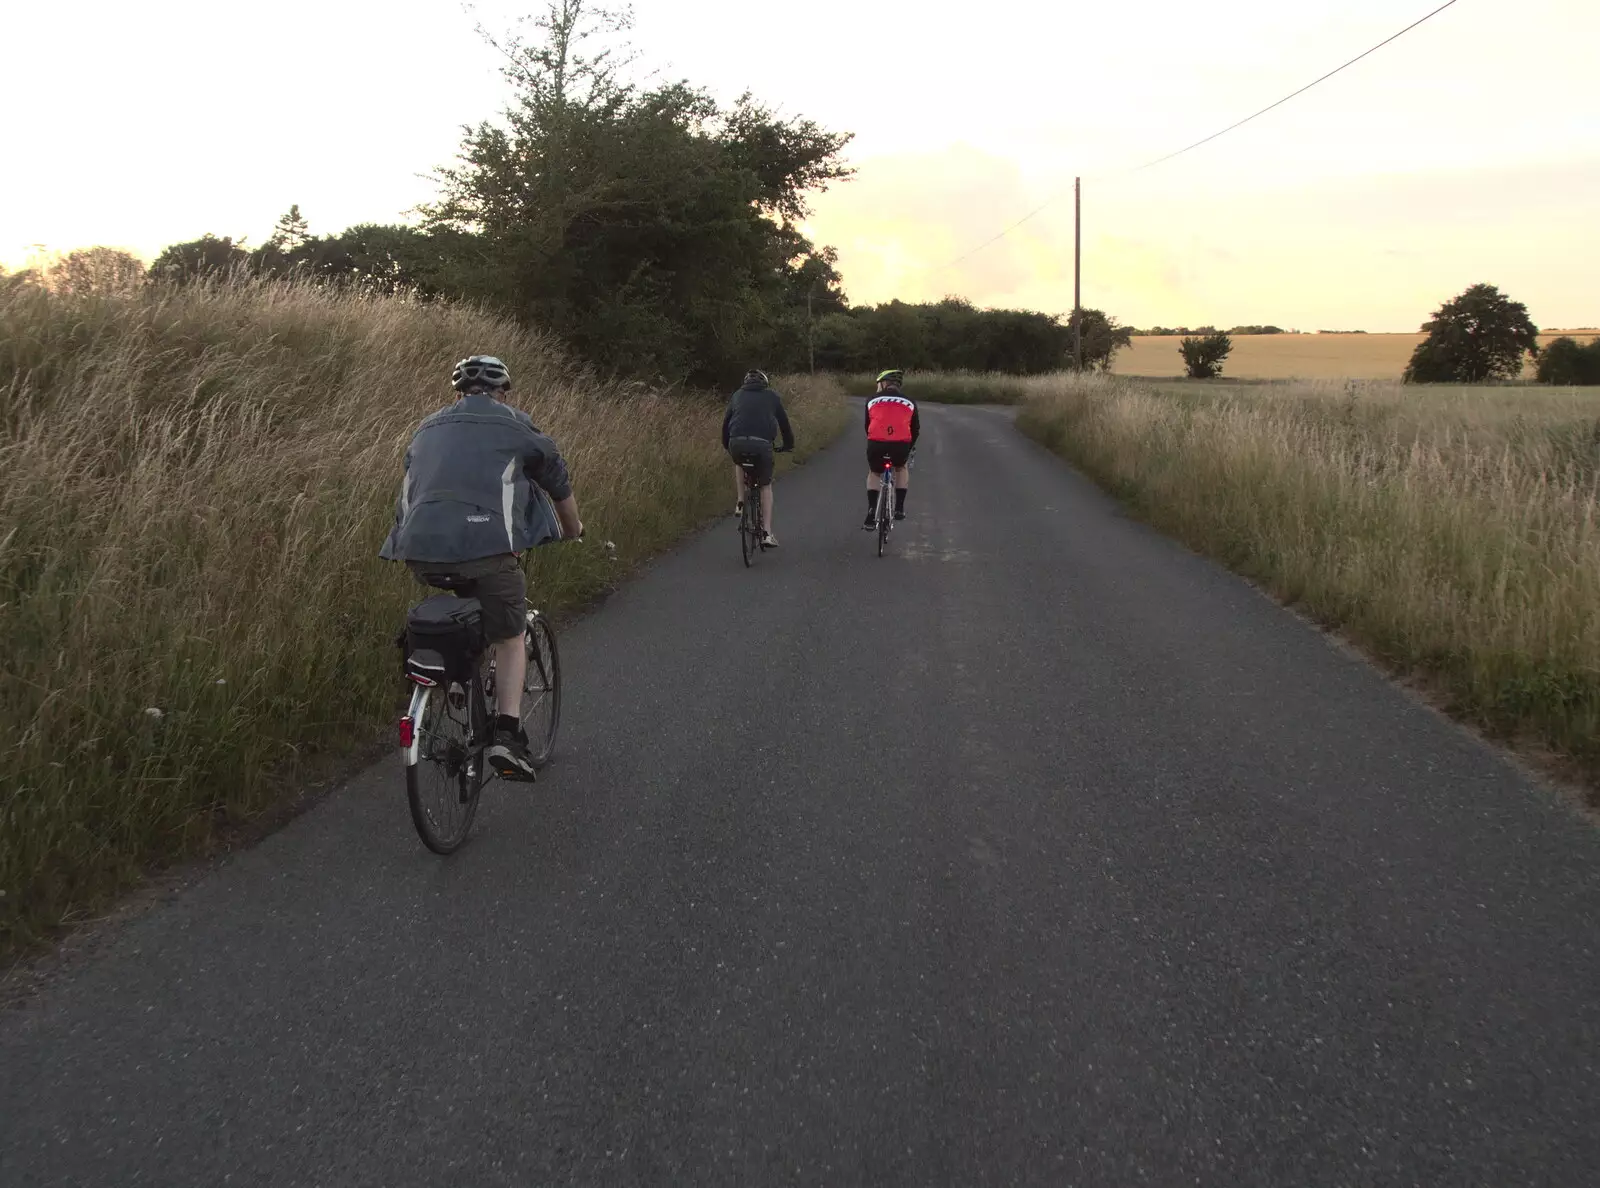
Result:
x=755 y=410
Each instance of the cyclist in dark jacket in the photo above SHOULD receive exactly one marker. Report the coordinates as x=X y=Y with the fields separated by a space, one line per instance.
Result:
x=754 y=419
x=481 y=485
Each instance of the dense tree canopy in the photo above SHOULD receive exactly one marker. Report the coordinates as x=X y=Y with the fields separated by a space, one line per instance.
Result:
x=1564 y=361
x=205 y=256
x=1204 y=355
x=954 y=335
x=652 y=228
x=1480 y=335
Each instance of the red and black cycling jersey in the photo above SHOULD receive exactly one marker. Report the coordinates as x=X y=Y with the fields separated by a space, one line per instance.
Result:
x=892 y=417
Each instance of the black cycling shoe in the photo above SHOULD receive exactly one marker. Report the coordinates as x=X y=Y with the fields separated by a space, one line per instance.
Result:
x=870 y=522
x=510 y=757
x=899 y=515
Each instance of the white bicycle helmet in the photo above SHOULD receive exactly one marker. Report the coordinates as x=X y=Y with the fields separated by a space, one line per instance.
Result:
x=480 y=369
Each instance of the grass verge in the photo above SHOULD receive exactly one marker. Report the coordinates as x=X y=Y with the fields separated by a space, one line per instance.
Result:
x=1451 y=532
x=194 y=484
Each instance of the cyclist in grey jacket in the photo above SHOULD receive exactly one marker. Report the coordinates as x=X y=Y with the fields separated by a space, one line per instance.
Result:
x=750 y=427
x=481 y=485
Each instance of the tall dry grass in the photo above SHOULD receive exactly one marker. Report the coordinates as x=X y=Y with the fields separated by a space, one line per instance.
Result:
x=1452 y=532
x=193 y=488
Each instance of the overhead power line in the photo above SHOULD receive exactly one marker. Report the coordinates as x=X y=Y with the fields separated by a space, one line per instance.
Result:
x=1301 y=91
x=1207 y=140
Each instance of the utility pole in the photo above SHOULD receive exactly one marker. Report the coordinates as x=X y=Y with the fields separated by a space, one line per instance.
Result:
x=1077 y=271
x=811 y=338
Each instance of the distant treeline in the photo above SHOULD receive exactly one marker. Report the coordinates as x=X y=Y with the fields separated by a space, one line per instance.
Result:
x=954 y=335
x=1201 y=331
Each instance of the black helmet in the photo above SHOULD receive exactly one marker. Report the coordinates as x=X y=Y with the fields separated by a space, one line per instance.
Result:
x=477 y=370
x=756 y=377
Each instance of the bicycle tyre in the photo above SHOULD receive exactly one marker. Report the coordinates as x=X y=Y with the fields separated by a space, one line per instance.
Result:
x=749 y=541
x=541 y=688
x=885 y=494
x=445 y=783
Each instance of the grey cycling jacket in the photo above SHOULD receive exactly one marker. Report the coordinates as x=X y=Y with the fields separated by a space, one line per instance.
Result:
x=479 y=482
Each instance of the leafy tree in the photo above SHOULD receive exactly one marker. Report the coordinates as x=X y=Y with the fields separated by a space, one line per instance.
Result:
x=1202 y=357
x=380 y=258
x=1480 y=335
x=96 y=270
x=1103 y=337
x=206 y=256
x=653 y=229
x=290 y=232
x=1564 y=361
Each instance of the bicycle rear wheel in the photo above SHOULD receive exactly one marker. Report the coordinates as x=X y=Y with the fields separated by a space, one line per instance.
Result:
x=444 y=783
x=541 y=689
x=749 y=538
x=885 y=494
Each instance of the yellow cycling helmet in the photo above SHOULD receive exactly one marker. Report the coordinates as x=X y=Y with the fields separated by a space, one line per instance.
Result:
x=893 y=375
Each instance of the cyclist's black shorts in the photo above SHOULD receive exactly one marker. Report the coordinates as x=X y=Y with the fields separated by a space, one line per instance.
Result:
x=757 y=450
x=496 y=582
x=897 y=452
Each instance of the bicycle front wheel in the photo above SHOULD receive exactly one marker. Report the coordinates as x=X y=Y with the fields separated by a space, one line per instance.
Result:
x=541 y=689
x=443 y=784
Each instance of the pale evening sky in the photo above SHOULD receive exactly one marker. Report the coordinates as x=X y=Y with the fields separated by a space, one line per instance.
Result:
x=1468 y=150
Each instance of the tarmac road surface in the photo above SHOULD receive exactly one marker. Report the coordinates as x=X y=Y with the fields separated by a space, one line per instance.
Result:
x=1037 y=852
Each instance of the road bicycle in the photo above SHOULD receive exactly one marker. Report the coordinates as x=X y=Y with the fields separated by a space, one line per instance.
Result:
x=450 y=722
x=752 y=531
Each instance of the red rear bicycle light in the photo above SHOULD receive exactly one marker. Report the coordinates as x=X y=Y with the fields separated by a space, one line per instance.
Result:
x=408 y=731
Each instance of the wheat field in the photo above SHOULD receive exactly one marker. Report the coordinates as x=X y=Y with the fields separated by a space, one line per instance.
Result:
x=1294 y=356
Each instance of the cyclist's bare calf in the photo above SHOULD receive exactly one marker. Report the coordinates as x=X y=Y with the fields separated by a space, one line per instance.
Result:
x=510 y=655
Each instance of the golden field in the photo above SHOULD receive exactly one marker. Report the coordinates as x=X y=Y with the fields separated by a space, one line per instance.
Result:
x=1295 y=356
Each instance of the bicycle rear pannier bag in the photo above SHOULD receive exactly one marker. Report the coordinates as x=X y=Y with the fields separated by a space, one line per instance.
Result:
x=449 y=626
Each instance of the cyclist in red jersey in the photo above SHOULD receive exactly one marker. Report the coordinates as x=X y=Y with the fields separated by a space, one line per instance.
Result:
x=892 y=430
